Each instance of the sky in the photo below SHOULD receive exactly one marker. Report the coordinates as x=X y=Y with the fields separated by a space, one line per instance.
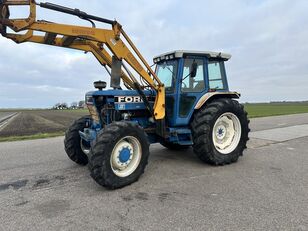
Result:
x=268 y=41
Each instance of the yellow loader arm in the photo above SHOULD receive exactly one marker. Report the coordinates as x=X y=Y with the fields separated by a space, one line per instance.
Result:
x=89 y=40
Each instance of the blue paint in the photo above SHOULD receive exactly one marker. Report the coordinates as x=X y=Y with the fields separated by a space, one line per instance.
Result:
x=125 y=155
x=111 y=108
x=88 y=134
x=119 y=93
x=180 y=135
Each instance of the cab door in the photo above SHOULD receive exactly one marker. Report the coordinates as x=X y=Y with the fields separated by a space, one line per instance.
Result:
x=190 y=87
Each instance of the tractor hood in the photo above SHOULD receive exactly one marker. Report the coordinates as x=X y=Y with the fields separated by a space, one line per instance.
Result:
x=119 y=93
x=122 y=100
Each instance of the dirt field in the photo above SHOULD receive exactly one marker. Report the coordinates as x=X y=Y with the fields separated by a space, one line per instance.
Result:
x=55 y=122
x=41 y=121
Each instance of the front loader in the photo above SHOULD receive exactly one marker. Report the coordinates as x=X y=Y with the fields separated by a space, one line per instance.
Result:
x=185 y=102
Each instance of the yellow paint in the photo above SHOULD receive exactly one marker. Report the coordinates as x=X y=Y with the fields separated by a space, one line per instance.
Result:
x=92 y=41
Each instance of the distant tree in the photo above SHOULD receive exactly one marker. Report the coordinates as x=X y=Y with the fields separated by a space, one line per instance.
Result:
x=56 y=106
x=74 y=105
x=81 y=104
x=64 y=106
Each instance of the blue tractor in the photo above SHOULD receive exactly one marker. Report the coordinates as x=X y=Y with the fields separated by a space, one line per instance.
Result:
x=200 y=113
x=185 y=102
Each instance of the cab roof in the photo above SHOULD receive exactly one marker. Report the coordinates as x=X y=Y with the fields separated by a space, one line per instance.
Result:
x=183 y=53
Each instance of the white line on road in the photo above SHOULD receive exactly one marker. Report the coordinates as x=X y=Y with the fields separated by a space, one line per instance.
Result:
x=6 y=120
x=282 y=134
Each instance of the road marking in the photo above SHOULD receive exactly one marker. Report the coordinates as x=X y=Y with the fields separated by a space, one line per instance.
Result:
x=291 y=149
x=283 y=124
x=5 y=121
x=255 y=143
x=282 y=134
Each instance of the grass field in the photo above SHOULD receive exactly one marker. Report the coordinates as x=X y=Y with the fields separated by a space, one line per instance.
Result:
x=36 y=124
x=274 y=109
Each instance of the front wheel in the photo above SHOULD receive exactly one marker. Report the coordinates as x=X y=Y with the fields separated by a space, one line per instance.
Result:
x=76 y=148
x=119 y=155
x=220 y=132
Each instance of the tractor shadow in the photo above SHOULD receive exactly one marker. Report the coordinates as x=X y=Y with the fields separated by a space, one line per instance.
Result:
x=160 y=153
x=164 y=165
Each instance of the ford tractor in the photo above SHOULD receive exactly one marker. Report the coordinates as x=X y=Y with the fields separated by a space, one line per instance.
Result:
x=184 y=102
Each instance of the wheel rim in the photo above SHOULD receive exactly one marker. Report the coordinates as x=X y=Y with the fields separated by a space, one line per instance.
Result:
x=84 y=148
x=126 y=156
x=227 y=133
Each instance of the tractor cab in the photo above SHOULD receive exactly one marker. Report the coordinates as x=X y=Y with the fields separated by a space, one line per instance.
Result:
x=187 y=76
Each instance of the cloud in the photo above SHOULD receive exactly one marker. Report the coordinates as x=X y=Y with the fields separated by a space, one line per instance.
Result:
x=267 y=39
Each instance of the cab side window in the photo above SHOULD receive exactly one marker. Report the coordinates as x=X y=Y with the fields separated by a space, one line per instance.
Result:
x=215 y=71
x=193 y=84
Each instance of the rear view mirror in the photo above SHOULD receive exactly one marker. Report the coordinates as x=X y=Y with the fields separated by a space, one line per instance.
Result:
x=194 y=69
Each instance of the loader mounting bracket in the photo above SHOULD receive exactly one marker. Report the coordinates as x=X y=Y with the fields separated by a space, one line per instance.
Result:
x=4 y=15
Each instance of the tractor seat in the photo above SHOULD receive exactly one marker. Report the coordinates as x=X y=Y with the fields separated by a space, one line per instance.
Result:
x=199 y=87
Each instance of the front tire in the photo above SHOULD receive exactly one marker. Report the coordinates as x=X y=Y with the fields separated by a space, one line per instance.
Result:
x=220 y=132
x=75 y=148
x=119 y=155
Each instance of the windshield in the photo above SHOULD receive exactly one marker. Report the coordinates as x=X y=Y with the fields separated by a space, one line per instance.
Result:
x=166 y=72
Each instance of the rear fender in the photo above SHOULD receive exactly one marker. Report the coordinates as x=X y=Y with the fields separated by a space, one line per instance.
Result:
x=214 y=95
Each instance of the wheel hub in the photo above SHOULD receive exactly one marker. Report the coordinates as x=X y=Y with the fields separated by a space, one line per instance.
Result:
x=221 y=132
x=227 y=133
x=125 y=155
x=122 y=155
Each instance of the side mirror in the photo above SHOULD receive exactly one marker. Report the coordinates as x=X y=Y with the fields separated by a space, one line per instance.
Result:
x=194 y=69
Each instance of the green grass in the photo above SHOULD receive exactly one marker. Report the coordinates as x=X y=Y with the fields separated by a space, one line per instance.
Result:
x=274 y=109
x=32 y=137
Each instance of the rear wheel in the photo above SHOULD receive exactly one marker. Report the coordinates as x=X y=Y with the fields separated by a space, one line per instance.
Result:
x=76 y=148
x=119 y=155
x=220 y=132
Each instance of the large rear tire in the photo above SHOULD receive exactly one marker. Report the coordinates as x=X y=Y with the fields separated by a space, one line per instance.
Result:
x=119 y=155
x=75 y=148
x=220 y=132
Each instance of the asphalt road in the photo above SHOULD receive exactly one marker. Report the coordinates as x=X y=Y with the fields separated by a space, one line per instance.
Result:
x=40 y=189
x=5 y=118
x=5 y=115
